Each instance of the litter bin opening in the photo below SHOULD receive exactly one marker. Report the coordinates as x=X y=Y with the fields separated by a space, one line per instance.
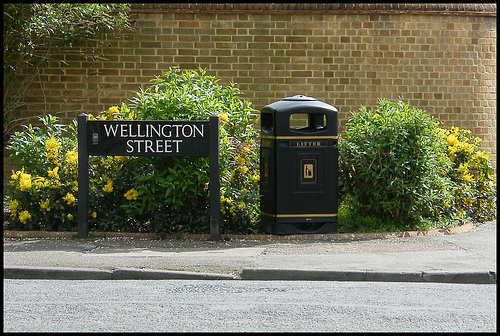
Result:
x=308 y=122
x=266 y=122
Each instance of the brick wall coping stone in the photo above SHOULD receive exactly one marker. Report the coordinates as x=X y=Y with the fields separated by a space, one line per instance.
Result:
x=488 y=9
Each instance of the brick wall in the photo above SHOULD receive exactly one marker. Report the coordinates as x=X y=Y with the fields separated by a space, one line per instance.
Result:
x=442 y=63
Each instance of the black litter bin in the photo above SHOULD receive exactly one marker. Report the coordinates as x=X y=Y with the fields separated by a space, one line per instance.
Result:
x=299 y=166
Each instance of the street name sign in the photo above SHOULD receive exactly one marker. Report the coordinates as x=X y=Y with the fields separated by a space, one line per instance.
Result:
x=148 y=138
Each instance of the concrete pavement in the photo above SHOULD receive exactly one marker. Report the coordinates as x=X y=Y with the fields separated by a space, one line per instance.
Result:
x=459 y=256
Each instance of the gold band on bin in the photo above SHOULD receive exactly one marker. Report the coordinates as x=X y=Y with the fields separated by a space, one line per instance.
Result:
x=294 y=137
x=300 y=215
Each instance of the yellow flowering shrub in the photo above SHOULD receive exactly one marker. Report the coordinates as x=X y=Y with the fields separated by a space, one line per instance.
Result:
x=471 y=171
x=40 y=194
x=155 y=194
x=43 y=193
x=239 y=195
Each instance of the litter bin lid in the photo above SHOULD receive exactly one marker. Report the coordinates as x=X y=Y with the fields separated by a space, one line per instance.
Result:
x=300 y=98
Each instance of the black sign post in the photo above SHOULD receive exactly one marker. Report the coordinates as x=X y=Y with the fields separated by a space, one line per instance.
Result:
x=148 y=138
x=83 y=177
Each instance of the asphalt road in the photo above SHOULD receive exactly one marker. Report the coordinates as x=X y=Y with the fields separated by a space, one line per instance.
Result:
x=246 y=306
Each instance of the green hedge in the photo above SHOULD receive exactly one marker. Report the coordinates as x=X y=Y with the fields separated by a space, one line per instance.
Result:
x=400 y=171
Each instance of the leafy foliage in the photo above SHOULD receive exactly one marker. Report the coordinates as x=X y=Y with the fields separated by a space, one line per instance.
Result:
x=193 y=95
x=34 y=32
x=398 y=169
x=393 y=162
x=153 y=194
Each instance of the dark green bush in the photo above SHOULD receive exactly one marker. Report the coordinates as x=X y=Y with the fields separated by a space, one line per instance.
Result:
x=393 y=165
x=181 y=184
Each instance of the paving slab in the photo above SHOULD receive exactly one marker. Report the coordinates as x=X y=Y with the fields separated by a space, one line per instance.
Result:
x=468 y=256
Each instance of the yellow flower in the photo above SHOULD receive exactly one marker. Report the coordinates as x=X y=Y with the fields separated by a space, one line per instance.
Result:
x=241 y=205
x=44 y=205
x=72 y=158
x=256 y=177
x=452 y=139
x=468 y=177
x=243 y=170
x=376 y=115
x=111 y=111
x=477 y=141
x=120 y=158
x=15 y=175
x=225 y=199
x=465 y=173
x=93 y=214
x=70 y=216
x=131 y=194
x=223 y=117
x=108 y=187
x=480 y=155
x=13 y=205
x=239 y=159
x=54 y=172
x=56 y=183
x=24 y=216
x=25 y=182
x=444 y=133
x=41 y=182
x=52 y=145
x=69 y=198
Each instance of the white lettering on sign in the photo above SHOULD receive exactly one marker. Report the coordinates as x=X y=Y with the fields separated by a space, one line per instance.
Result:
x=150 y=130
x=153 y=146
x=151 y=138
